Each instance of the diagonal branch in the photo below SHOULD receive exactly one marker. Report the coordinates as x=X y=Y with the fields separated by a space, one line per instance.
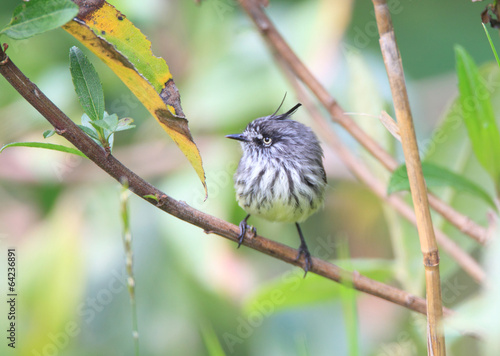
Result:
x=279 y=45
x=210 y=224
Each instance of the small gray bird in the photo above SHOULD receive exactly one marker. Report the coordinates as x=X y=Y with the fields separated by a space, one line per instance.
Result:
x=280 y=176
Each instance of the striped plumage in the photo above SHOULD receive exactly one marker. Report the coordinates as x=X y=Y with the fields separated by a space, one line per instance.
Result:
x=285 y=181
x=280 y=176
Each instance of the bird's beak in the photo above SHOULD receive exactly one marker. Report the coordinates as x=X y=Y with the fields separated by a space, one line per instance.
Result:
x=239 y=137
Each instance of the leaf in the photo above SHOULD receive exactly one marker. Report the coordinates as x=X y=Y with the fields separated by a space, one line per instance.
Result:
x=292 y=290
x=114 y=39
x=110 y=125
x=449 y=146
x=437 y=176
x=211 y=341
x=493 y=49
x=125 y=127
x=49 y=146
x=48 y=133
x=125 y=124
x=38 y=16
x=110 y=140
x=111 y=121
x=89 y=127
x=90 y=131
x=86 y=121
x=151 y=196
x=477 y=111
x=87 y=84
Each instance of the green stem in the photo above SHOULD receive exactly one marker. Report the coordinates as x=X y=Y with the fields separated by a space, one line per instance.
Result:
x=491 y=44
x=127 y=244
x=349 y=304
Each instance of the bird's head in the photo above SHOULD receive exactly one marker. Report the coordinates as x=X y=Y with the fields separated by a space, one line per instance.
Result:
x=276 y=135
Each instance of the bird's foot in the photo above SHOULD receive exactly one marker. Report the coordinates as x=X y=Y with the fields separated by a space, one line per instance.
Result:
x=303 y=250
x=243 y=230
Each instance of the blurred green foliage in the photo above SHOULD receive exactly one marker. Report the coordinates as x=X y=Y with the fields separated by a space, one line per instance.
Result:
x=62 y=214
x=436 y=176
x=38 y=16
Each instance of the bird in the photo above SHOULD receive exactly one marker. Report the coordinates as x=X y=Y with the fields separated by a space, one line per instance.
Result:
x=280 y=176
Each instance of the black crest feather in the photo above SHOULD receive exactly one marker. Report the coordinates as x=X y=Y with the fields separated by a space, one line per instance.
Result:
x=287 y=114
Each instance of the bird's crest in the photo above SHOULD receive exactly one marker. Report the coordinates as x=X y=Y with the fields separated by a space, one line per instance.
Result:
x=285 y=115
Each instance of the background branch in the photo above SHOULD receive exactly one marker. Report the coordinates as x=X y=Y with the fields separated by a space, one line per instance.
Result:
x=66 y=128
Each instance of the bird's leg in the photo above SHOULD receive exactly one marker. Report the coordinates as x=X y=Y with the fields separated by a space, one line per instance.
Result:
x=243 y=230
x=303 y=250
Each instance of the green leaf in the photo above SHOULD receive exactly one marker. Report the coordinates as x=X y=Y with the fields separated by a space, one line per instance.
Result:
x=151 y=196
x=105 y=124
x=90 y=131
x=123 y=128
x=477 y=111
x=211 y=341
x=125 y=124
x=38 y=16
x=48 y=133
x=85 y=119
x=49 y=146
x=292 y=290
x=491 y=45
x=109 y=141
x=87 y=84
x=450 y=147
x=110 y=122
x=107 y=127
x=437 y=176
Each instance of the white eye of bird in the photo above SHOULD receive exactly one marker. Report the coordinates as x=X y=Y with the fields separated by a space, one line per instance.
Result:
x=267 y=141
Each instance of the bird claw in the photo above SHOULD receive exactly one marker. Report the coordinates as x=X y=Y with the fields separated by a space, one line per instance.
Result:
x=243 y=230
x=303 y=250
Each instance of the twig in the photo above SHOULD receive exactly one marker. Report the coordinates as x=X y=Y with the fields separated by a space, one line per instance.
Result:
x=279 y=45
x=361 y=171
x=428 y=243
x=390 y=125
x=183 y=211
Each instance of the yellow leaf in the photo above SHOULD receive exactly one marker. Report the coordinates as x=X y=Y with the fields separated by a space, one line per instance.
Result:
x=122 y=46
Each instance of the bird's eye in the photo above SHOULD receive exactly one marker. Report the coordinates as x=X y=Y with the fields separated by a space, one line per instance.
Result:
x=267 y=141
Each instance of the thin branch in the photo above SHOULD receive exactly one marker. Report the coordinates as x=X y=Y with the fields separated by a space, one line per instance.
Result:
x=210 y=224
x=428 y=243
x=279 y=45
